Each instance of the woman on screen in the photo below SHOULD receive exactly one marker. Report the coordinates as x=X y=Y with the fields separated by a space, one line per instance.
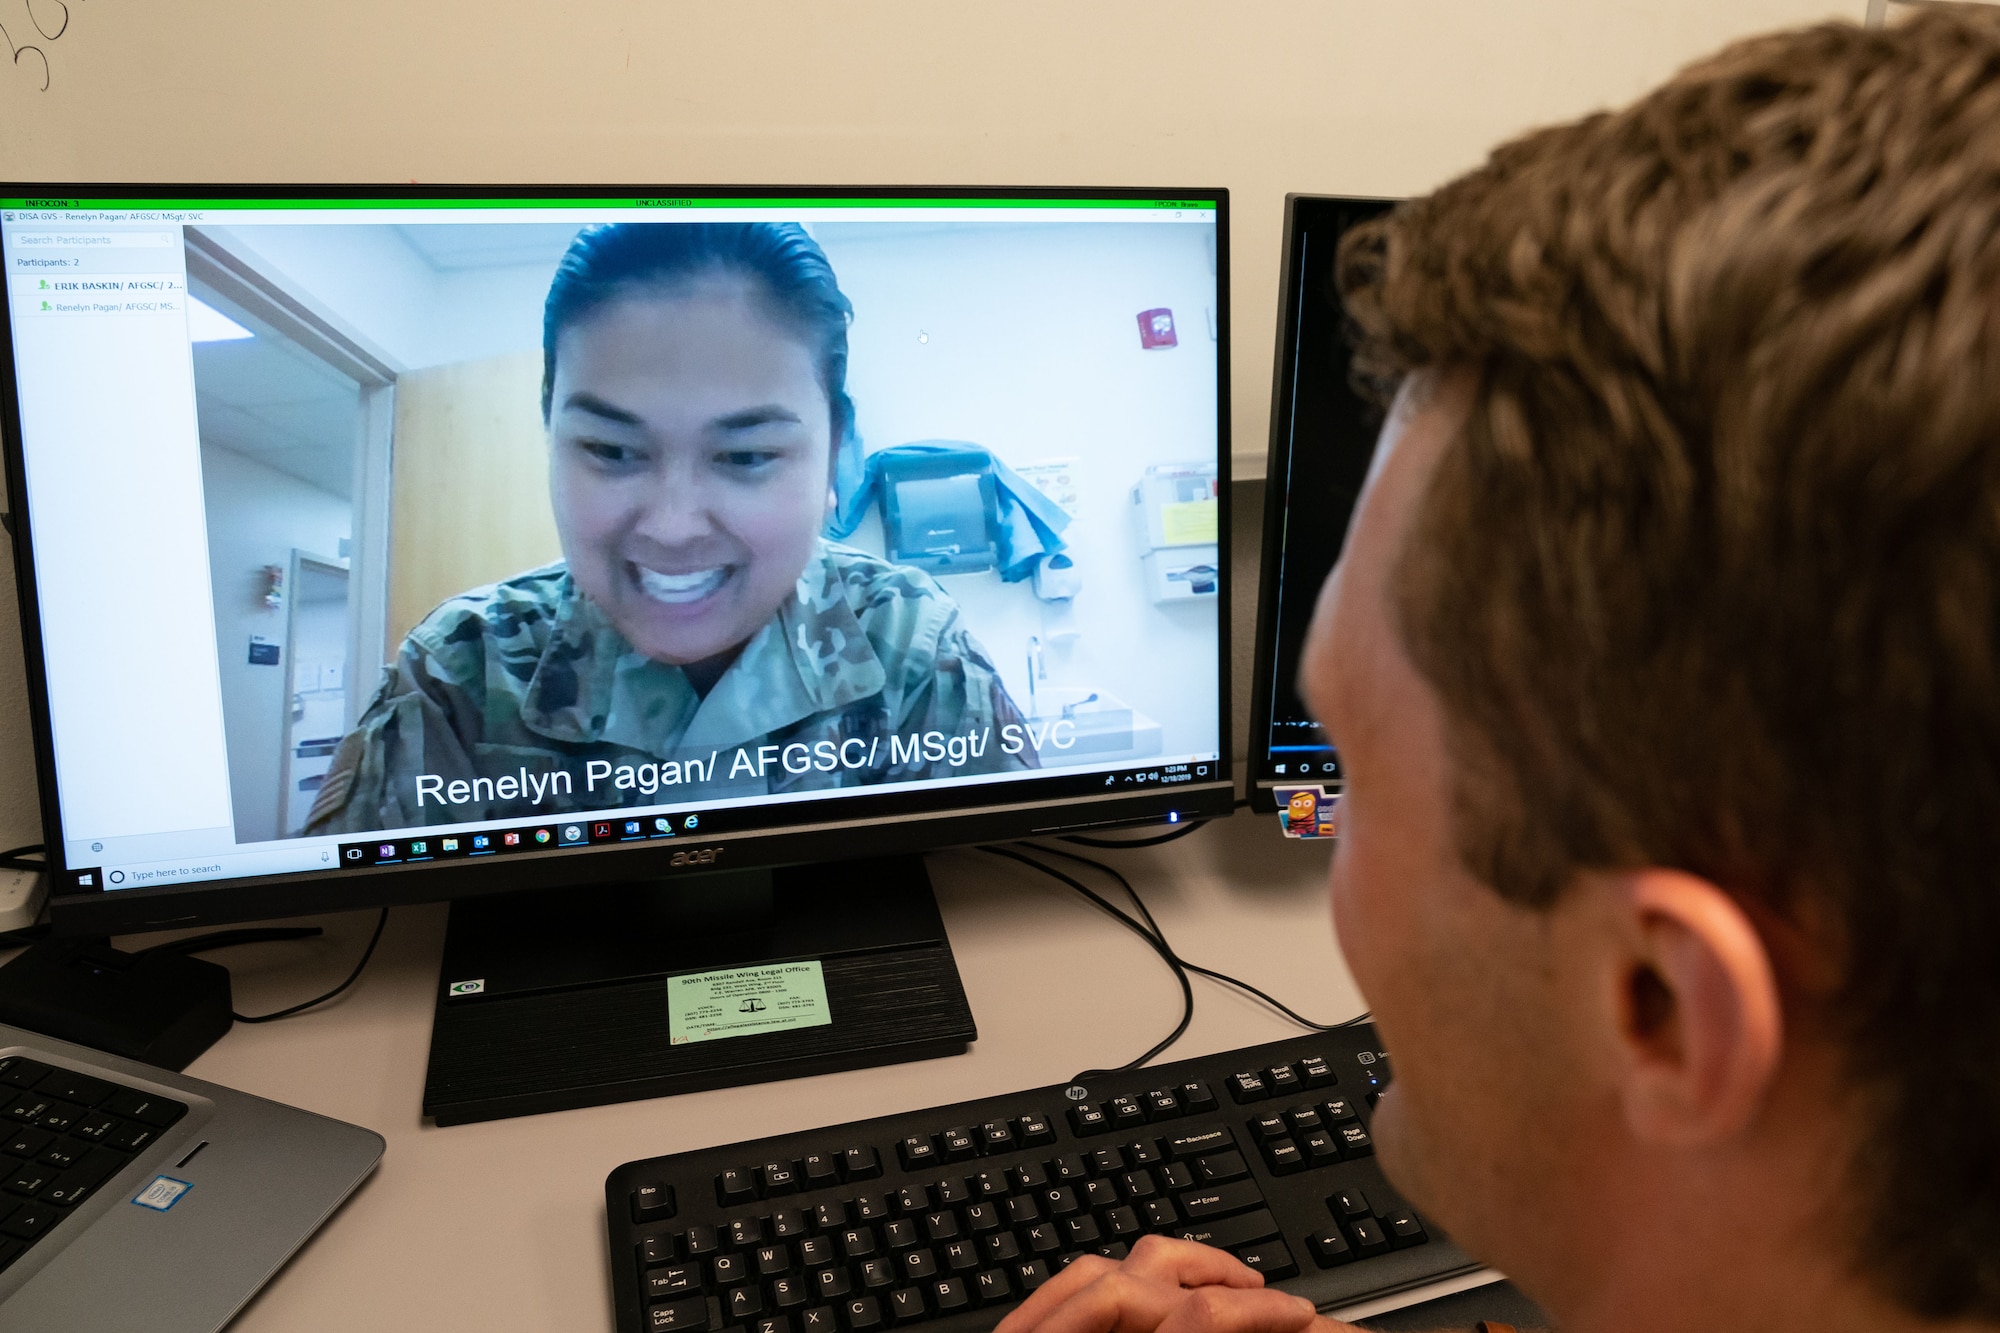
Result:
x=700 y=638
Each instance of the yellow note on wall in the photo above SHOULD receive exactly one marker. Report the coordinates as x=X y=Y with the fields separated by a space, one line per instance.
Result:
x=1189 y=523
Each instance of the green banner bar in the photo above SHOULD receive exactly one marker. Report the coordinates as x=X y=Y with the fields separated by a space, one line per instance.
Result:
x=88 y=204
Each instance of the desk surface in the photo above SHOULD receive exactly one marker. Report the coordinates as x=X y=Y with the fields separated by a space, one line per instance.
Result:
x=499 y=1226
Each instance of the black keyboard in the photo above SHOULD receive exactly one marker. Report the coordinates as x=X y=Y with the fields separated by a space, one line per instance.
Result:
x=951 y=1216
x=62 y=1134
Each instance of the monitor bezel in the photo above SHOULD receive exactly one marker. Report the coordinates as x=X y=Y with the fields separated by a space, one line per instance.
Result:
x=822 y=837
x=1277 y=471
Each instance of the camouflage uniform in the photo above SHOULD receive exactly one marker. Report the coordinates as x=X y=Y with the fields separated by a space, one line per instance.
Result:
x=528 y=676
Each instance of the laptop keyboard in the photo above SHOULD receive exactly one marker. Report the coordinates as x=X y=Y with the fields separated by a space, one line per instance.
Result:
x=66 y=1133
x=950 y=1216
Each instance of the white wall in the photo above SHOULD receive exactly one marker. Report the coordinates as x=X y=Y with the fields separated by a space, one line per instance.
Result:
x=1031 y=348
x=256 y=516
x=372 y=286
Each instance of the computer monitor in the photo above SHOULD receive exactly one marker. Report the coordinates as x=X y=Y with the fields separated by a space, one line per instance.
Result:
x=380 y=545
x=1322 y=437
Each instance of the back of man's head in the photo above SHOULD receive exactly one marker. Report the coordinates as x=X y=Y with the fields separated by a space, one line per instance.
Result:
x=1731 y=487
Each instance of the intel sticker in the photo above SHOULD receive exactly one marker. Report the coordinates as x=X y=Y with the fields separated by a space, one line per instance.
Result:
x=708 y=1005
x=162 y=1194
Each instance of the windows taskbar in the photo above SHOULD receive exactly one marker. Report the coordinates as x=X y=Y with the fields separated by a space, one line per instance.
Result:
x=628 y=826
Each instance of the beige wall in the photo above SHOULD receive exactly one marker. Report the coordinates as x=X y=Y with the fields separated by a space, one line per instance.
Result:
x=1260 y=96
x=469 y=503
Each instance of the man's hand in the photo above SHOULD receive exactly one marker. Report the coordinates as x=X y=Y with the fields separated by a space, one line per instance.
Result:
x=1172 y=1286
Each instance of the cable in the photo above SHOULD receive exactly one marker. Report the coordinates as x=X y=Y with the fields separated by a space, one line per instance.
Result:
x=1209 y=972
x=15 y=858
x=1152 y=938
x=352 y=977
x=224 y=939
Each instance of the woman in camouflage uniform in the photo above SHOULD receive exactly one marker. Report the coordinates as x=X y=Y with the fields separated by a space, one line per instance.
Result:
x=700 y=638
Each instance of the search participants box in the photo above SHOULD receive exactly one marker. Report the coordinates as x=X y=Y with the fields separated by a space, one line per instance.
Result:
x=96 y=240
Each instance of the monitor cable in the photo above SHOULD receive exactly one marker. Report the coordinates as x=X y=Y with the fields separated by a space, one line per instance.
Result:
x=224 y=939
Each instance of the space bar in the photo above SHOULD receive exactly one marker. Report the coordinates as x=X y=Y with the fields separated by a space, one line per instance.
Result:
x=1229 y=1232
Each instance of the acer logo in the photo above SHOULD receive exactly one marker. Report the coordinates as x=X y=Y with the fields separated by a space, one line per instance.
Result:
x=699 y=856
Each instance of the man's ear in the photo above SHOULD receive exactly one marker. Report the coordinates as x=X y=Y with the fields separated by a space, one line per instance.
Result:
x=1700 y=1025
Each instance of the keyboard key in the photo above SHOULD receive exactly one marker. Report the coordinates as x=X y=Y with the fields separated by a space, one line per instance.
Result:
x=877 y=1274
x=991 y=1185
x=653 y=1202
x=819 y=1319
x=1099 y=1195
x=919 y=1266
x=1145 y=1152
x=745 y=1232
x=771 y=1260
x=863 y=1314
x=789 y=1293
x=788 y=1224
x=1177 y=1175
x=131 y=1138
x=1221 y=1200
x=131 y=1104
x=1348 y=1204
x=1265 y=1128
x=940 y=1226
x=30 y=1180
x=900 y=1234
x=1339 y=1111
x=729 y=1270
x=743 y=1304
x=1042 y=1238
x=1329 y=1248
x=1022 y=1210
x=1161 y=1104
x=1029 y=1176
x=656 y=1250
x=26 y=1142
x=772 y=1323
x=821 y=1170
x=1000 y=1247
x=1303 y=1119
x=917 y=1152
x=871 y=1207
x=856 y=1243
x=1139 y=1185
x=961 y=1256
x=1104 y=1161
x=911 y=1200
x=778 y=1178
x=1113 y=1250
x=735 y=1186
x=1213 y=1170
x=1078 y=1232
x=1035 y=1130
x=1320 y=1148
x=1120 y=1223
x=94 y=1126
x=1196 y=1097
x=27 y=1107
x=982 y=1218
x=816 y=1252
x=1229 y=1232
x=861 y=1163
x=17 y=1071
x=1366 y=1234
x=906 y=1306
x=30 y=1220
x=1059 y=1201
x=949 y=1295
x=1030 y=1276
x=1199 y=1142
x=60 y=1115
x=1272 y=1258
x=672 y=1283
x=687 y=1316
x=960 y=1144
x=992 y=1286
x=697 y=1241
x=1284 y=1158
x=1248 y=1086
x=830 y=1284
x=953 y=1191
x=997 y=1136
x=1404 y=1229
x=1316 y=1072
x=1283 y=1080
x=1088 y=1120
x=1126 y=1112
x=1159 y=1214
x=1354 y=1142
x=1071 y=1169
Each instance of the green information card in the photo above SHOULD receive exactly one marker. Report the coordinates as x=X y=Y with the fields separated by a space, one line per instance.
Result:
x=708 y=1005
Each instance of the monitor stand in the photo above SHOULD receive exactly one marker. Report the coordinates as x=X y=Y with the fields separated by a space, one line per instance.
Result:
x=556 y=999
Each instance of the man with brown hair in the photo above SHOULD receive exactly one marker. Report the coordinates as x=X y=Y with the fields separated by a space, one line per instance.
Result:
x=1664 y=663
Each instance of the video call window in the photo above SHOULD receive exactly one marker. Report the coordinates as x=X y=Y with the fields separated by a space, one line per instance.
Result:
x=589 y=510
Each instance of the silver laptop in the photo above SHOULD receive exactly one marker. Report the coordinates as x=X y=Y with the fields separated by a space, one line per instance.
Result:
x=135 y=1198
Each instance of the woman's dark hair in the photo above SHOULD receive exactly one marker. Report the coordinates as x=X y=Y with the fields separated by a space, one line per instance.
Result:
x=611 y=259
